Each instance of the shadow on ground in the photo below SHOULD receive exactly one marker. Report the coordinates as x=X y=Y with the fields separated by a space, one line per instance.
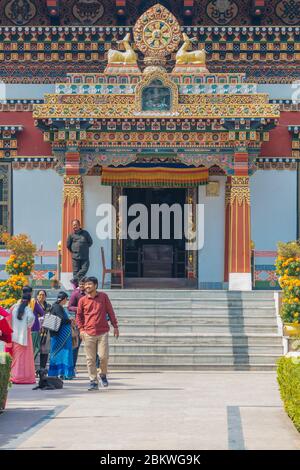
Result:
x=16 y=421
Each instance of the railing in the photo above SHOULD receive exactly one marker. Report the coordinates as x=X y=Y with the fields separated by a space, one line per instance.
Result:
x=264 y=274
x=43 y=271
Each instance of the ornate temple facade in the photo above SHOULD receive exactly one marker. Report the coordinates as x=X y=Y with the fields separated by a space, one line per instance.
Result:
x=157 y=111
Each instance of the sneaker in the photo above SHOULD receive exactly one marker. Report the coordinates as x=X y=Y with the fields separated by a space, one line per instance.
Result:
x=103 y=380
x=93 y=386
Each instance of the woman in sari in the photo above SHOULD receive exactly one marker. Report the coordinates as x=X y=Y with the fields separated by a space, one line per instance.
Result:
x=42 y=303
x=22 y=318
x=61 y=352
x=39 y=313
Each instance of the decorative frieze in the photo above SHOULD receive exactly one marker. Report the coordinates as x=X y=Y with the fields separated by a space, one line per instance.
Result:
x=8 y=141
x=266 y=54
x=73 y=190
x=238 y=191
x=18 y=105
x=125 y=107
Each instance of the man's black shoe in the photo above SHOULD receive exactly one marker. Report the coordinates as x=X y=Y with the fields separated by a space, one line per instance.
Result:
x=93 y=386
x=104 y=381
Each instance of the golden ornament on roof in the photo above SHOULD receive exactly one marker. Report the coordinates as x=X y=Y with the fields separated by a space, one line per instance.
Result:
x=186 y=57
x=125 y=58
x=157 y=34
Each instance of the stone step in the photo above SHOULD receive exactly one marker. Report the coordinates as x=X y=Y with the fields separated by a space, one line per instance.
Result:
x=194 y=320
x=191 y=359
x=237 y=349
x=189 y=294
x=138 y=367
x=181 y=293
x=187 y=302
x=181 y=307
x=192 y=328
x=208 y=339
x=185 y=329
x=187 y=311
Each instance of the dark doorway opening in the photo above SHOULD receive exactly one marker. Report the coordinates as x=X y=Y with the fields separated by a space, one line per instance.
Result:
x=162 y=257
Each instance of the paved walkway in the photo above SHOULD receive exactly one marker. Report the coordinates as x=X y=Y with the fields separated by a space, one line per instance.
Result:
x=168 y=410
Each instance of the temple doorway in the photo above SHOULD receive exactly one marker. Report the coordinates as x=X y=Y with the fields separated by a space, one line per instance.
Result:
x=158 y=256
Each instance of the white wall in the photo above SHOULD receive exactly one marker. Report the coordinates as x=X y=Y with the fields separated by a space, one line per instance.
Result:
x=37 y=206
x=273 y=207
x=279 y=91
x=211 y=257
x=18 y=91
x=95 y=194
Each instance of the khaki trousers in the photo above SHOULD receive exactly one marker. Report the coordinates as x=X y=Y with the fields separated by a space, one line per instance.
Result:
x=92 y=345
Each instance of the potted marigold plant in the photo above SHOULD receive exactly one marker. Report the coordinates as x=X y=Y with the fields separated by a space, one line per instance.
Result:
x=19 y=266
x=21 y=260
x=288 y=271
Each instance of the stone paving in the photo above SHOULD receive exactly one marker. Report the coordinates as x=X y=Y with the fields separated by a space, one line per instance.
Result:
x=154 y=410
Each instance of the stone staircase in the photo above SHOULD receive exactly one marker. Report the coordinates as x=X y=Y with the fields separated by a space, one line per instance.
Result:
x=194 y=330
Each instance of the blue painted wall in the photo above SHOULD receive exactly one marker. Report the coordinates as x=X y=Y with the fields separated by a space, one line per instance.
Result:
x=273 y=207
x=37 y=206
x=18 y=91
x=211 y=257
x=279 y=91
x=95 y=194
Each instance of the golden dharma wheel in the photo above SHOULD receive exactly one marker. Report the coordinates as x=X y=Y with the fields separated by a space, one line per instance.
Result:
x=157 y=32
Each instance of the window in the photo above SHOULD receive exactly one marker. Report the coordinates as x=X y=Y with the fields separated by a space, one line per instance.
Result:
x=5 y=197
x=156 y=97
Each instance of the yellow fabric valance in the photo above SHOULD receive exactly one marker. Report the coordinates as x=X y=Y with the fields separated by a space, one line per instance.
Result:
x=154 y=176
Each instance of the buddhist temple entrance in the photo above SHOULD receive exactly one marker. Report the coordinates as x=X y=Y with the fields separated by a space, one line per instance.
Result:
x=160 y=250
x=159 y=126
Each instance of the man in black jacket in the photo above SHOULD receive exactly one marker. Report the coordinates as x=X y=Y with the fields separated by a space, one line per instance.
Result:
x=79 y=243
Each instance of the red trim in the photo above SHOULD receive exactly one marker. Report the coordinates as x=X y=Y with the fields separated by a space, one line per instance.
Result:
x=241 y=163
x=30 y=140
x=265 y=254
x=72 y=163
x=227 y=236
x=44 y=253
x=280 y=140
x=52 y=3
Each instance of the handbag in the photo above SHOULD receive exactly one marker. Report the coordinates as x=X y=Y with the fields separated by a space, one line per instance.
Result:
x=44 y=336
x=52 y=322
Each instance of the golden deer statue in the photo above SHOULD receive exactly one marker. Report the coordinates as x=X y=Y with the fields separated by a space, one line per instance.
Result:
x=128 y=57
x=183 y=57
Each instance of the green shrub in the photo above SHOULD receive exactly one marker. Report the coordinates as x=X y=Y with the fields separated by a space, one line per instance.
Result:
x=5 y=366
x=289 y=249
x=288 y=376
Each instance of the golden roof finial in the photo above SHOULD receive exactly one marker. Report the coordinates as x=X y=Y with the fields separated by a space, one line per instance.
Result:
x=157 y=34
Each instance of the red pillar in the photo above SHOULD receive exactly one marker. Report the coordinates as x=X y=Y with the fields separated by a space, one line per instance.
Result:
x=72 y=209
x=237 y=227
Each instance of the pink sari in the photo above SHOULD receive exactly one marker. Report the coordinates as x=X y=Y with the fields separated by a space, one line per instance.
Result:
x=23 y=368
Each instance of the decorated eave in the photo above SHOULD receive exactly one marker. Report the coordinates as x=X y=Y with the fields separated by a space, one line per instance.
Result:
x=268 y=54
x=8 y=140
x=295 y=132
x=94 y=122
x=189 y=115
x=18 y=105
